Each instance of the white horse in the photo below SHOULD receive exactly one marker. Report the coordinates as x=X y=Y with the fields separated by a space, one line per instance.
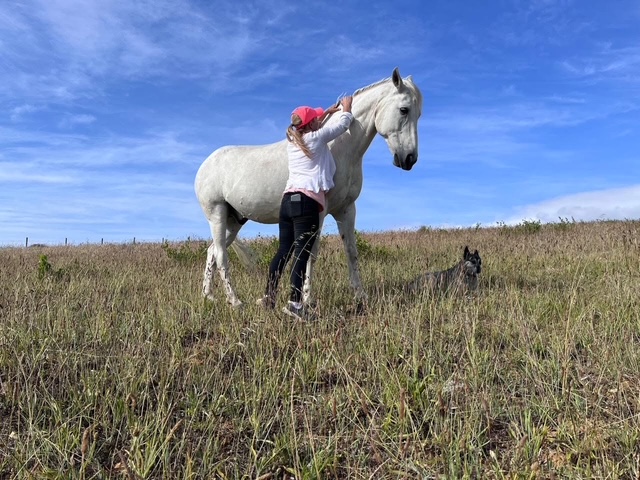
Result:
x=239 y=183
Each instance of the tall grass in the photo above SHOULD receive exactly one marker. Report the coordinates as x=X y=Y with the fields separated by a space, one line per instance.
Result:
x=113 y=366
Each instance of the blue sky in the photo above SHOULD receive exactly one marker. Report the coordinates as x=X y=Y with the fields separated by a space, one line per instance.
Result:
x=108 y=107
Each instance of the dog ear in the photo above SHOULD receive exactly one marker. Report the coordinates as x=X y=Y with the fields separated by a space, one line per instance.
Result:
x=476 y=253
x=466 y=251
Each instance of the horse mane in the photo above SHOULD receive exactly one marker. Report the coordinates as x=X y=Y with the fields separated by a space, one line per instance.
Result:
x=408 y=82
x=360 y=90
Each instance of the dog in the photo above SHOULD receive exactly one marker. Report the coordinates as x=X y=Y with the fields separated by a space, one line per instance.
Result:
x=463 y=276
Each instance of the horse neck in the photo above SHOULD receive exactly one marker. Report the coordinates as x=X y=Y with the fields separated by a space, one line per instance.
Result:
x=365 y=104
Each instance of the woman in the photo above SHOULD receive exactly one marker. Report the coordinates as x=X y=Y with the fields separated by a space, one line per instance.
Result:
x=311 y=170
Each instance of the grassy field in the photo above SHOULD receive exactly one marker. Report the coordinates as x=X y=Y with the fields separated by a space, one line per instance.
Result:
x=113 y=366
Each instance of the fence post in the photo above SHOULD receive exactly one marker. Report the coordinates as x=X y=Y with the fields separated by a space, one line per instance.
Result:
x=65 y=241
x=134 y=240
x=26 y=242
x=102 y=241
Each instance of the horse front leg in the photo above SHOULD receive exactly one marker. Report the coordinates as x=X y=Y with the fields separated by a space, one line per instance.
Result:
x=346 y=220
x=307 y=297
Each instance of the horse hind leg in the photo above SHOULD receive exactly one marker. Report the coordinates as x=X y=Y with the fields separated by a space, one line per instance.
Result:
x=223 y=231
x=209 y=267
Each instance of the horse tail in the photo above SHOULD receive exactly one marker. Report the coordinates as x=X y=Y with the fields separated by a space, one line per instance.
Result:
x=248 y=257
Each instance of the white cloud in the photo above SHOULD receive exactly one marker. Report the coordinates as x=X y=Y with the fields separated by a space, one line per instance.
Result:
x=610 y=204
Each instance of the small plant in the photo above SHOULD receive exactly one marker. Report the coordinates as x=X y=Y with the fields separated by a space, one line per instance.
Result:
x=45 y=269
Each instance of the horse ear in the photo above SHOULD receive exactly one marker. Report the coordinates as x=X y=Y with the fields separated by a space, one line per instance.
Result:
x=397 y=79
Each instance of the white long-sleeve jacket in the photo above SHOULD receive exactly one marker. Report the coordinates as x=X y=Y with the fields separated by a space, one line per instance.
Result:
x=315 y=174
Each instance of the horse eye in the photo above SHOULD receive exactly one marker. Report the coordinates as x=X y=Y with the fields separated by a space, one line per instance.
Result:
x=404 y=110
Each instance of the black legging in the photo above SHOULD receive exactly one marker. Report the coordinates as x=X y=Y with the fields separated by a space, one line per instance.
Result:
x=298 y=224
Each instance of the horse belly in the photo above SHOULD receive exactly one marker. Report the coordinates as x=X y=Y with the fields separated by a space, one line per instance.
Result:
x=260 y=205
x=343 y=195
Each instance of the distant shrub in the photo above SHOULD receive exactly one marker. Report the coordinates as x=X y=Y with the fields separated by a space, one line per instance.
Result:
x=366 y=250
x=266 y=250
x=529 y=226
x=526 y=227
x=185 y=253
x=564 y=224
x=363 y=246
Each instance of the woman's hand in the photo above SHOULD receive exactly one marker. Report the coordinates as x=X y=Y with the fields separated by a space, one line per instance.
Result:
x=346 y=103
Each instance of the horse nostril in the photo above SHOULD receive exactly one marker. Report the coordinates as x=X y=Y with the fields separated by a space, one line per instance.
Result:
x=396 y=160
x=409 y=161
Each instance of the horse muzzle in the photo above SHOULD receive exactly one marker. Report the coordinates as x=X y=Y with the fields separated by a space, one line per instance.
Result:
x=405 y=163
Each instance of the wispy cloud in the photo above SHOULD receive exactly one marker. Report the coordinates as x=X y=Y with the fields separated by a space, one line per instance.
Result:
x=342 y=49
x=74 y=46
x=11 y=172
x=20 y=111
x=69 y=121
x=570 y=99
x=522 y=115
x=607 y=63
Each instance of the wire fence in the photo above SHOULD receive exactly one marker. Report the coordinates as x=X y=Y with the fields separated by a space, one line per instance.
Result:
x=66 y=242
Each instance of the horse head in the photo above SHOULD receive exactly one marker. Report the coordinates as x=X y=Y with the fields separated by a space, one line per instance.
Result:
x=396 y=120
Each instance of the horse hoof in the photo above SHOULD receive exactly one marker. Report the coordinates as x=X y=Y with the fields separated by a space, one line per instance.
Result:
x=237 y=305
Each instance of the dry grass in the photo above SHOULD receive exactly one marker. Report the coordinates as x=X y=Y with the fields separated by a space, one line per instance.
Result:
x=112 y=366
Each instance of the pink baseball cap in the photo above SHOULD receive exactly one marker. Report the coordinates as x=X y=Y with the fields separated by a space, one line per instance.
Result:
x=307 y=114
